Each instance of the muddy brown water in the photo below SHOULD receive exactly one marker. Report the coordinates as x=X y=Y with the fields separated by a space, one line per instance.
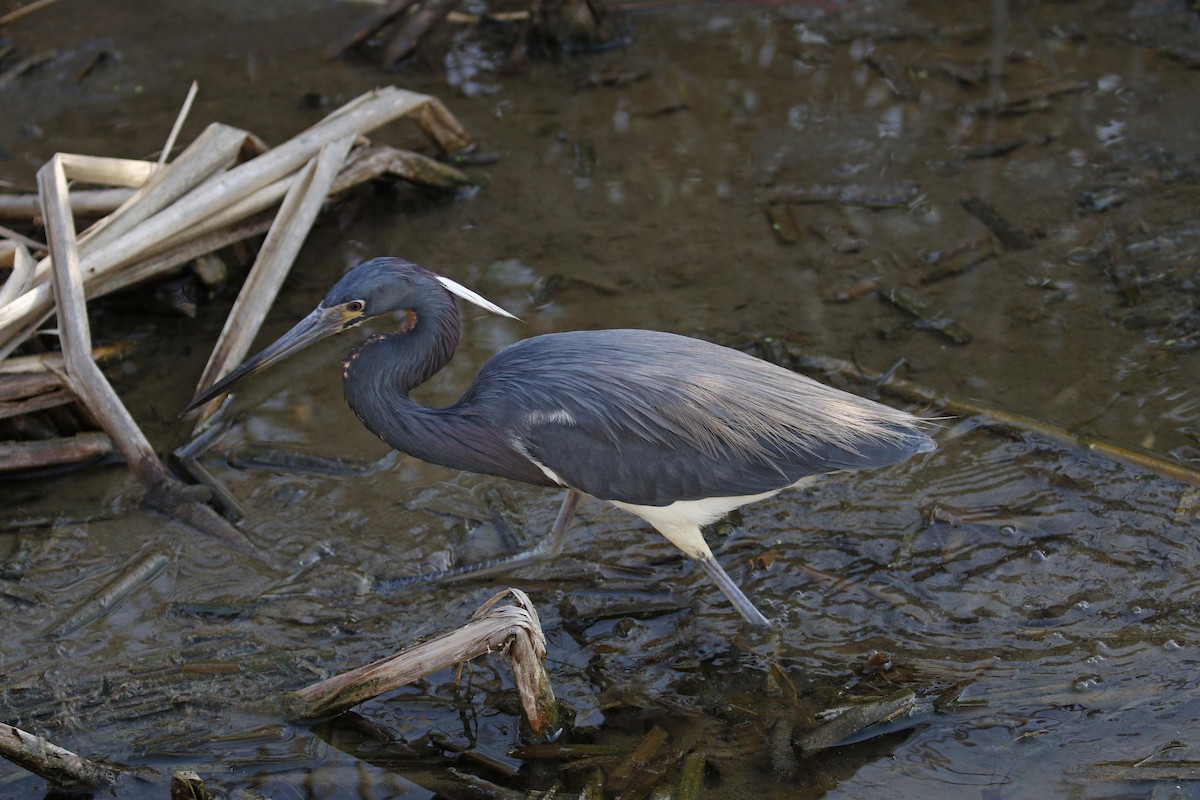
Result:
x=1054 y=587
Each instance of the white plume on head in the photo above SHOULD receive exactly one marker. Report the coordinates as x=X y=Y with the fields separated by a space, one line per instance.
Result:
x=473 y=297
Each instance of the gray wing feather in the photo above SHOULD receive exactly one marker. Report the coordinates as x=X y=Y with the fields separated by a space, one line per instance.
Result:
x=650 y=417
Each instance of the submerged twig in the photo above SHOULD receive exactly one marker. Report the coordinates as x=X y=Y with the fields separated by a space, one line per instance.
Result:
x=1010 y=237
x=960 y=260
x=853 y=720
x=646 y=765
x=109 y=596
x=897 y=194
x=926 y=316
x=289 y=460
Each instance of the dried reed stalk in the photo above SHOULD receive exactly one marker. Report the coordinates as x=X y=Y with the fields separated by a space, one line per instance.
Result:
x=210 y=196
x=295 y=218
x=105 y=252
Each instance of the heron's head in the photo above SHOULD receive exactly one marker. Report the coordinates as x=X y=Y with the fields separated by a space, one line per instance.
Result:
x=373 y=288
x=383 y=285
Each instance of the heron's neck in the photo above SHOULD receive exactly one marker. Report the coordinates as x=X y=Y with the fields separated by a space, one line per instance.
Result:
x=380 y=372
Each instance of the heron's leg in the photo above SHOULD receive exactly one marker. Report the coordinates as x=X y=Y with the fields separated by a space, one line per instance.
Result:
x=731 y=590
x=550 y=547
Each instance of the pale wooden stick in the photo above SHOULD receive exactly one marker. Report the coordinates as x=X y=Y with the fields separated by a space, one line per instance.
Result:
x=259 y=200
x=513 y=628
x=174 y=134
x=404 y=164
x=86 y=203
x=108 y=171
x=87 y=381
x=21 y=456
x=20 y=277
x=179 y=254
x=292 y=224
x=16 y=238
x=215 y=149
x=22 y=332
x=33 y=391
x=213 y=196
x=53 y=362
x=47 y=760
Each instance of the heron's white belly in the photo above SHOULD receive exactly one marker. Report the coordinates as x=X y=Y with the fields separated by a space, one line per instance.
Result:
x=681 y=521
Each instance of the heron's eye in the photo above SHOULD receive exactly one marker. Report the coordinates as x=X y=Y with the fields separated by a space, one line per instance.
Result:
x=356 y=305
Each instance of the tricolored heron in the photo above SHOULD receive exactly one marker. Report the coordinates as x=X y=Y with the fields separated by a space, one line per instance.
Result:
x=676 y=430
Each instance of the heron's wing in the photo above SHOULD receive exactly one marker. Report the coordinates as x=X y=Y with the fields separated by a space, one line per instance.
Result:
x=640 y=472
x=650 y=418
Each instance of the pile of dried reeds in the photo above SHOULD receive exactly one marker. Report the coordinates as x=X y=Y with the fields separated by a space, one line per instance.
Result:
x=158 y=217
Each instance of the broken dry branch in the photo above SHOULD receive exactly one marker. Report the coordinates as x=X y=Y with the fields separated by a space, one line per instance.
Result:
x=57 y=765
x=21 y=275
x=217 y=148
x=513 y=629
x=181 y=254
x=366 y=163
x=86 y=379
x=22 y=456
x=363 y=29
x=107 y=171
x=414 y=29
x=26 y=393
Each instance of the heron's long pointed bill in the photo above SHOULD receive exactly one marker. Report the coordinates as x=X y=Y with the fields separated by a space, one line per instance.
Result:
x=321 y=323
x=735 y=595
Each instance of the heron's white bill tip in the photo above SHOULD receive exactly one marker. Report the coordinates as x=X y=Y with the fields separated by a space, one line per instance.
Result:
x=473 y=297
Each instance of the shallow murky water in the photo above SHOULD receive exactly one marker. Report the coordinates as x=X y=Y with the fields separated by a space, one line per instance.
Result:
x=1041 y=594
